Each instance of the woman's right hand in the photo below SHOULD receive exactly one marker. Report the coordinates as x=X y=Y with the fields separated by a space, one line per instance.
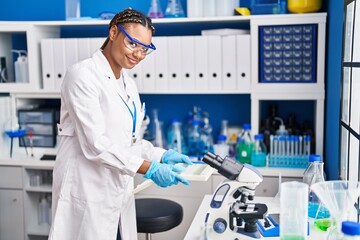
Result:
x=165 y=175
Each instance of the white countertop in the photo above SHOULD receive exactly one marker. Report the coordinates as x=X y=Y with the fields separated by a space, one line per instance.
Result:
x=27 y=162
x=36 y=162
x=196 y=229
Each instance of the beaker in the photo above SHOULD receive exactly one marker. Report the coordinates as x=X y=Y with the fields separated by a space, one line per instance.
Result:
x=155 y=10
x=339 y=198
x=174 y=9
x=293 y=210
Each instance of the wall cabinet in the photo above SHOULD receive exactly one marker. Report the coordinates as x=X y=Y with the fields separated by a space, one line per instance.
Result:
x=204 y=56
x=11 y=204
x=245 y=80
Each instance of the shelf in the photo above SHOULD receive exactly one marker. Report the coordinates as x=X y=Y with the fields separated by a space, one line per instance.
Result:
x=39 y=230
x=42 y=189
x=93 y=22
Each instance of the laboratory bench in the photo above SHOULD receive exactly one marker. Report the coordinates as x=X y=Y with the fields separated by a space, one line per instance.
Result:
x=197 y=227
x=20 y=196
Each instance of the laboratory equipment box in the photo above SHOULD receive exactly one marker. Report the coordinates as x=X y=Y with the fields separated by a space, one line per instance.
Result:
x=287 y=53
x=41 y=123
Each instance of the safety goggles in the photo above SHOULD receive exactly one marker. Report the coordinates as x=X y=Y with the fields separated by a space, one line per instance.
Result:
x=135 y=45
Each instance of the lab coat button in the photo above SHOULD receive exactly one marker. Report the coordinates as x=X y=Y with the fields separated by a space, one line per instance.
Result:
x=60 y=129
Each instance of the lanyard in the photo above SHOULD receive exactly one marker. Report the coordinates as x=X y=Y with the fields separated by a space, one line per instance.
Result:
x=133 y=116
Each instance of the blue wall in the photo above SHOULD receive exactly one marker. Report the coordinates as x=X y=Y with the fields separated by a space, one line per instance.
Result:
x=237 y=113
x=333 y=76
x=55 y=10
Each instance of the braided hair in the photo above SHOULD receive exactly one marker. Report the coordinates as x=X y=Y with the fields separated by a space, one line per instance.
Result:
x=130 y=15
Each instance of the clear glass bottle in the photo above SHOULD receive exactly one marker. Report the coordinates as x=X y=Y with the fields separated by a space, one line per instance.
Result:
x=194 y=140
x=155 y=10
x=206 y=134
x=314 y=173
x=245 y=145
x=258 y=155
x=174 y=136
x=174 y=9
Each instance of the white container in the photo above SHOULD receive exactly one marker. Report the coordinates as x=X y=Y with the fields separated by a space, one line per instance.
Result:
x=226 y=7
x=195 y=8
x=294 y=210
x=21 y=67
x=209 y=9
x=43 y=212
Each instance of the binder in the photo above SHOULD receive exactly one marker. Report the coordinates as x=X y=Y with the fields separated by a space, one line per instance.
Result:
x=214 y=64
x=95 y=44
x=47 y=64
x=228 y=44
x=243 y=59
x=136 y=73
x=174 y=56
x=187 y=63
x=71 y=52
x=161 y=64
x=83 y=48
x=201 y=63
x=59 y=61
x=148 y=73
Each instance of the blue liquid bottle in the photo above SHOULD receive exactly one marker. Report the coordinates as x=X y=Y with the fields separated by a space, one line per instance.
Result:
x=258 y=155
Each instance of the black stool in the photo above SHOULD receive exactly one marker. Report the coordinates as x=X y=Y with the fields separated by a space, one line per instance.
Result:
x=154 y=215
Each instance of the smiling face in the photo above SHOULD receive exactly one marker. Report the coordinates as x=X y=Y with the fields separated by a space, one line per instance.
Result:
x=118 y=53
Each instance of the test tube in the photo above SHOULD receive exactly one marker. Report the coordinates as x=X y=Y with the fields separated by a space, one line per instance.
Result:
x=271 y=145
x=296 y=139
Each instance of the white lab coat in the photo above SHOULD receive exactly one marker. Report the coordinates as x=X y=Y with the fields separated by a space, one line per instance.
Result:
x=96 y=161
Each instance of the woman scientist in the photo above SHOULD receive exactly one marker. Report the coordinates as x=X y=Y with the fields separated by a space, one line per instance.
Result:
x=99 y=151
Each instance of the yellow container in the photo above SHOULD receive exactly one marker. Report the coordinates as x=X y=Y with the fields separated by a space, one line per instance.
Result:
x=304 y=6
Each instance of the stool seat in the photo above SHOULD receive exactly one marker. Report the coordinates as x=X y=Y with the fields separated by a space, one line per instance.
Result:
x=155 y=215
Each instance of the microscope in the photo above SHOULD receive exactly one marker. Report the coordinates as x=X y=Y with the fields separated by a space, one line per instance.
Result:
x=230 y=215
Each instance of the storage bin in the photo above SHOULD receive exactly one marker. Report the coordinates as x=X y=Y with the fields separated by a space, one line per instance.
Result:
x=287 y=53
x=36 y=116
x=40 y=141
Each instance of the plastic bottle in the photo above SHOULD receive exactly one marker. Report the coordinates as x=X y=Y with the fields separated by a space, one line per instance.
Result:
x=245 y=145
x=174 y=9
x=258 y=155
x=224 y=128
x=194 y=141
x=314 y=173
x=351 y=230
x=43 y=211
x=155 y=10
x=221 y=148
x=206 y=135
x=21 y=67
x=174 y=136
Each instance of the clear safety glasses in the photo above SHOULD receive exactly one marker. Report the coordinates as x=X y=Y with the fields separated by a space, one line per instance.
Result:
x=135 y=45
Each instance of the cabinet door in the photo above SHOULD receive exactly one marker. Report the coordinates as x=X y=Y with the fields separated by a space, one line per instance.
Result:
x=11 y=215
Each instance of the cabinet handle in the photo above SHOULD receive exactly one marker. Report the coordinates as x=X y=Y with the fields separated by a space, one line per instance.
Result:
x=15 y=200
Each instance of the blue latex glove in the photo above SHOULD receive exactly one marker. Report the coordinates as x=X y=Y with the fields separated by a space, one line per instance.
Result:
x=165 y=175
x=173 y=157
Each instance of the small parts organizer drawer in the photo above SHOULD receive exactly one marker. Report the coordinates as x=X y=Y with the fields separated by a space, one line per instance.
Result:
x=42 y=123
x=287 y=53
